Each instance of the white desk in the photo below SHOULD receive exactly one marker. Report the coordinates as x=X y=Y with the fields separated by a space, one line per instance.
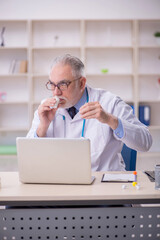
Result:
x=78 y=212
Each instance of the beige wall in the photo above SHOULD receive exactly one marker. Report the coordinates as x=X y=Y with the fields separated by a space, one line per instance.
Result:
x=79 y=9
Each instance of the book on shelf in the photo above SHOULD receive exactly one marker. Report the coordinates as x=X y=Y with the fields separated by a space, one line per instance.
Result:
x=145 y=114
x=18 y=66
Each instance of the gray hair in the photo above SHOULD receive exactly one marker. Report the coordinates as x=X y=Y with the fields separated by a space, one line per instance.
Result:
x=75 y=63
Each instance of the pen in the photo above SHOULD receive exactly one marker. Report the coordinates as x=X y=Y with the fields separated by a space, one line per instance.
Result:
x=149 y=175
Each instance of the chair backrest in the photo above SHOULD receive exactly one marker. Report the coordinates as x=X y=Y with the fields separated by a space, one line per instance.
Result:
x=129 y=155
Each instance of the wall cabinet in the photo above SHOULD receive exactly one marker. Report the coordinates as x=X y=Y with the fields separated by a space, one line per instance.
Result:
x=121 y=56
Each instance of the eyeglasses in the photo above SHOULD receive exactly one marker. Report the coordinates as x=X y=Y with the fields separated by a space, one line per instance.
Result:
x=62 y=85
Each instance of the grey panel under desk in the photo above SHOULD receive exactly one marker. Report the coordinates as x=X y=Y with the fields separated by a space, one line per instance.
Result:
x=80 y=223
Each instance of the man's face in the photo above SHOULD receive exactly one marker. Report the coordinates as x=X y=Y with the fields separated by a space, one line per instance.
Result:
x=73 y=93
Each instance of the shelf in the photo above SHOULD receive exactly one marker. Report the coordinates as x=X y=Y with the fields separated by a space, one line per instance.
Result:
x=149 y=47
x=42 y=59
x=157 y=74
x=13 y=102
x=15 y=34
x=146 y=32
x=109 y=75
x=154 y=128
x=154 y=112
x=16 y=89
x=8 y=56
x=110 y=59
x=37 y=75
x=14 y=115
x=14 y=129
x=114 y=83
x=54 y=48
x=13 y=48
x=102 y=33
x=127 y=48
x=149 y=154
x=11 y=158
x=56 y=33
x=149 y=101
x=109 y=47
x=149 y=61
x=149 y=74
x=15 y=75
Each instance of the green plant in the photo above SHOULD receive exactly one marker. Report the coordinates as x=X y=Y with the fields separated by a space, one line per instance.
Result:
x=104 y=70
x=157 y=34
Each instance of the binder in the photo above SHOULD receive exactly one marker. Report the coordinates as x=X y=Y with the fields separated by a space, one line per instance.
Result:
x=145 y=114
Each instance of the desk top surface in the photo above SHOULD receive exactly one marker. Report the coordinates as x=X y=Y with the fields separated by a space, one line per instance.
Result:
x=12 y=189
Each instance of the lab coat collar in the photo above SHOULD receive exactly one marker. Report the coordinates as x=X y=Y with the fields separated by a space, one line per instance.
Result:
x=64 y=112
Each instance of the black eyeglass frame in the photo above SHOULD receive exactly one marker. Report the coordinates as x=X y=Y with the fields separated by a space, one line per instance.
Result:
x=63 y=83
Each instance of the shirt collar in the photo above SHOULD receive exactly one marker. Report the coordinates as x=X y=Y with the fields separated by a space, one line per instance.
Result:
x=82 y=101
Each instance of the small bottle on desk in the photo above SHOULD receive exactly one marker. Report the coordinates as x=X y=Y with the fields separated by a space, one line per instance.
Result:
x=135 y=176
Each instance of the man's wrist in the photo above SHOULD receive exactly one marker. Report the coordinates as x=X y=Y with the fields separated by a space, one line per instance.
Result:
x=112 y=121
x=41 y=131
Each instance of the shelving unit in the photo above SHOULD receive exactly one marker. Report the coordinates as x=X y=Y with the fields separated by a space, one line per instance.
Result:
x=126 y=48
x=14 y=108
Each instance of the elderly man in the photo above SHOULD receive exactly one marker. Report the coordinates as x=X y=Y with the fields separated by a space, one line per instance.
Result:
x=87 y=112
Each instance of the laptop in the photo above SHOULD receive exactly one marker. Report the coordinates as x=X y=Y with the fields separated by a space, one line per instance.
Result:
x=54 y=160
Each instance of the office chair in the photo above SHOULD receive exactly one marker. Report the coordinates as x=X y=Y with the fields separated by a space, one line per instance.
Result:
x=129 y=155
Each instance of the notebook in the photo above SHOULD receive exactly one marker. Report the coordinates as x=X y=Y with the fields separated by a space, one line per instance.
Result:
x=54 y=160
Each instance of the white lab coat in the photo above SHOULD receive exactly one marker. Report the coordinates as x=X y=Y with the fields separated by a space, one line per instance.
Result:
x=105 y=145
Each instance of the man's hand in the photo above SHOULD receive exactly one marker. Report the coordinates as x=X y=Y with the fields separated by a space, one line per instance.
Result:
x=94 y=110
x=46 y=115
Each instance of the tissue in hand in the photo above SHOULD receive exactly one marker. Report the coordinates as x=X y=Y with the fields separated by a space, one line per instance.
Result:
x=56 y=104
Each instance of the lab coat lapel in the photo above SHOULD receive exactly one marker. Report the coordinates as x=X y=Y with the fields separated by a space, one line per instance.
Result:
x=65 y=113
